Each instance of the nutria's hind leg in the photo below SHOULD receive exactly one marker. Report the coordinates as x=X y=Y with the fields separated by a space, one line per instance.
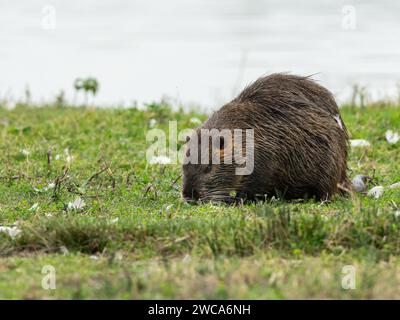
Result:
x=326 y=190
x=305 y=192
x=323 y=195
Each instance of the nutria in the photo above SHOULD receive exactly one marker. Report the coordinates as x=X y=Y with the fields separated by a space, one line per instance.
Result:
x=300 y=145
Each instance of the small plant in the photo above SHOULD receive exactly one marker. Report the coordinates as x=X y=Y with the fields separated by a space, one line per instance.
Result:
x=161 y=111
x=60 y=99
x=360 y=94
x=88 y=85
x=28 y=95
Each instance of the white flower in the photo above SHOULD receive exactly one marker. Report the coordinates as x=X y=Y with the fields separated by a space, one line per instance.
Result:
x=57 y=157
x=152 y=123
x=118 y=256
x=359 y=143
x=359 y=184
x=392 y=137
x=394 y=185
x=195 y=120
x=397 y=214
x=337 y=118
x=186 y=259
x=46 y=188
x=77 y=204
x=10 y=231
x=68 y=156
x=376 y=192
x=160 y=160
x=94 y=257
x=115 y=220
x=324 y=217
x=64 y=250
x=34 y=207
x=49 y=186
x=25 y=152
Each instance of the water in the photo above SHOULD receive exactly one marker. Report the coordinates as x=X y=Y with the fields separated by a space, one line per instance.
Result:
x=198 y=52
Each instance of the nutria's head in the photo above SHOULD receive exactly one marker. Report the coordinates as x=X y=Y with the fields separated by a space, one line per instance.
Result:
x=209 y=171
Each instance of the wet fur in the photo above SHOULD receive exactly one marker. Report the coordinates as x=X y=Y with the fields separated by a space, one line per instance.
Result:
x=300 y=148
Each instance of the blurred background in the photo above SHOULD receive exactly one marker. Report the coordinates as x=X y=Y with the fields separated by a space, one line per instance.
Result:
x=195 y=52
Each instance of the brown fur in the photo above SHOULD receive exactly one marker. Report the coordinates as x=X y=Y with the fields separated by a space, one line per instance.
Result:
x=300 y=148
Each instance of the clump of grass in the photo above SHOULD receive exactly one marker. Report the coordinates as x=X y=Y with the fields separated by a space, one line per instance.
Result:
x=261 y=229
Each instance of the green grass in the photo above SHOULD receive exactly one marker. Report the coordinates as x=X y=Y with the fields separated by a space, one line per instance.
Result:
x=161 y=247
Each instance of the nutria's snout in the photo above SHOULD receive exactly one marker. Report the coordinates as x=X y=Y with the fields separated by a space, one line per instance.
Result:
x=299 y=150
x=190 y=195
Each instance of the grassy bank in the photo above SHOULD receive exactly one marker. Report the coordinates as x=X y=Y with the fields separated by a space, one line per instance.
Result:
x=135 y=238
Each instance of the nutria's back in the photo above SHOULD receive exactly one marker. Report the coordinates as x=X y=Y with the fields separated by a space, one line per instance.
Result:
x=300 y=144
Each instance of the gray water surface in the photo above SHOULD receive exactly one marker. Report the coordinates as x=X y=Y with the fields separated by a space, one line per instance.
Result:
x=195 y=51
